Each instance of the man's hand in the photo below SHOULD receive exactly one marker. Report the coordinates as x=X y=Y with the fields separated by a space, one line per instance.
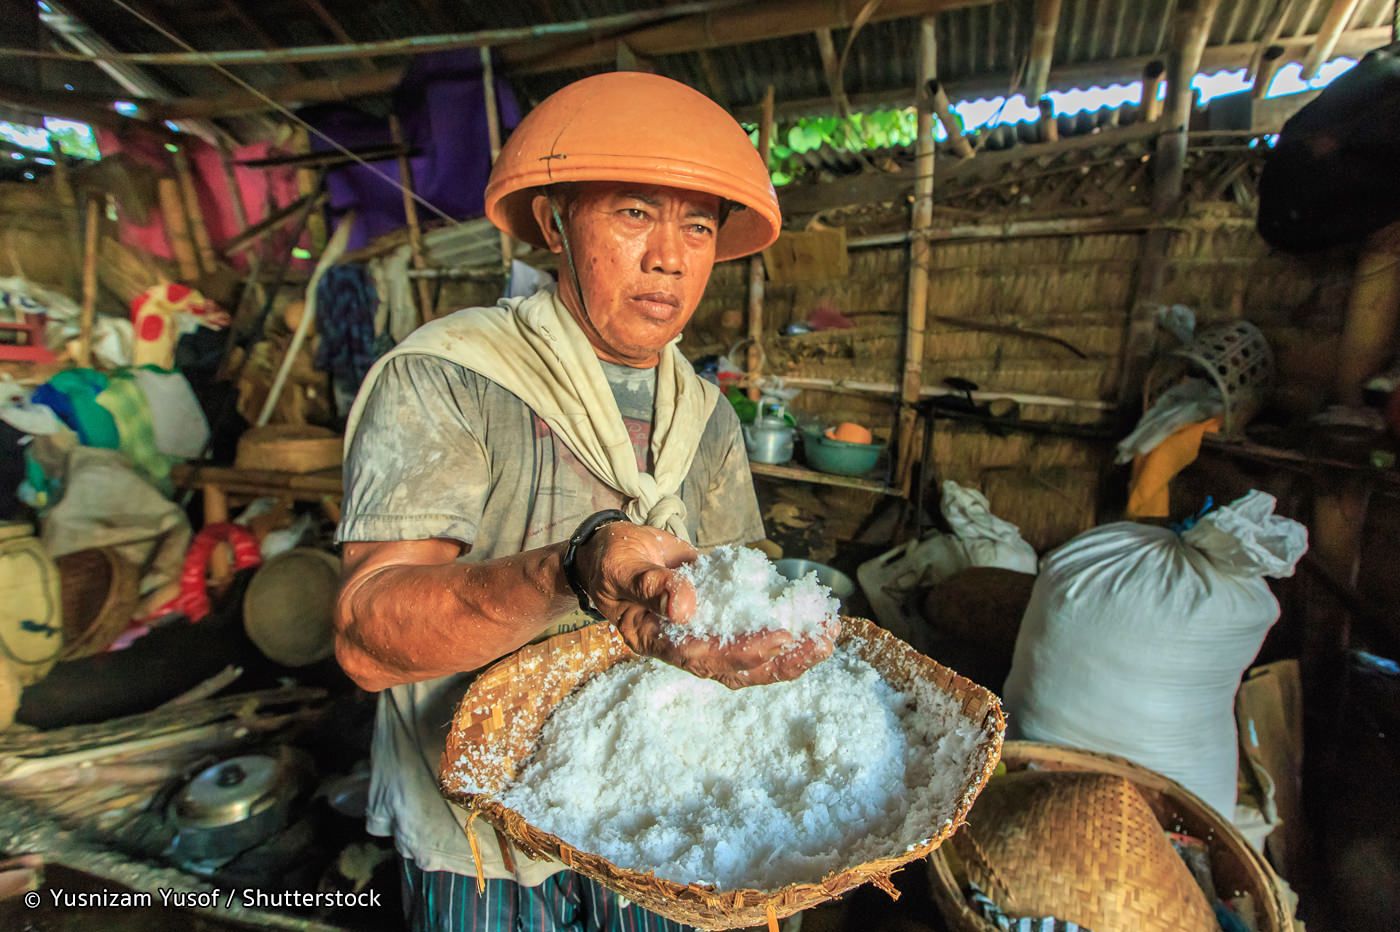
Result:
x=629 y=572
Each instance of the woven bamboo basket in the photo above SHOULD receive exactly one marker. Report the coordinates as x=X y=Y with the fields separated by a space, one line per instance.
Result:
x=1236 y=867
x=99 y=593
x=499 y=720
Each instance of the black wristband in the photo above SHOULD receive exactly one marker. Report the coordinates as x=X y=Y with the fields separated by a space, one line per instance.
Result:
x=585 y=531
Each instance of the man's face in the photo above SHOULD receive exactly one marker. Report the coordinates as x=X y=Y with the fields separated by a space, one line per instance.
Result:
x=644 y=254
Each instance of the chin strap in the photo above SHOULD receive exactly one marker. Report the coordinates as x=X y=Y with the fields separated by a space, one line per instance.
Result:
x=569 y=254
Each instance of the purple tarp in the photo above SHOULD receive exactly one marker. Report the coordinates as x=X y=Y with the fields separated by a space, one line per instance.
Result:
x=441 y=104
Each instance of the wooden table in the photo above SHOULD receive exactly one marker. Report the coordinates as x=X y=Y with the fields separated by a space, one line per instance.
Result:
x=223 y=484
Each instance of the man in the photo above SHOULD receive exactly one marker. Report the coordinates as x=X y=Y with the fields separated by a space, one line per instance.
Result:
x=490 y=452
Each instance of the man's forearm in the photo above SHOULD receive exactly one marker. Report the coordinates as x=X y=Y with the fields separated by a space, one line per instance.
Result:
x=401 y=622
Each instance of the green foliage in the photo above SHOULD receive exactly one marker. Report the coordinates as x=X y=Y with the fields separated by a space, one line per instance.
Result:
x=878 y=129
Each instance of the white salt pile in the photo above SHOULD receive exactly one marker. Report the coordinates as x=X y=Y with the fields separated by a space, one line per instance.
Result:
x=657 y=770
x=738 y=591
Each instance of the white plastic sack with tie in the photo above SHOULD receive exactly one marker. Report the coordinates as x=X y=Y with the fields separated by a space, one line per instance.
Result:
x=1136 y=637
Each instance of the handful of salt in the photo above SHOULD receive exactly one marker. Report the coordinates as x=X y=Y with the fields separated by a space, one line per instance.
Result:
x=738 y=591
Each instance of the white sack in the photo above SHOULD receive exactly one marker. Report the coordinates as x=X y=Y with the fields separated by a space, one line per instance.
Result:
x=1136 y=637
x=979 y=538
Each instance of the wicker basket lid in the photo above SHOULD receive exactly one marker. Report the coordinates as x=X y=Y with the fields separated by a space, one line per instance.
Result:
x=1081 y=847
x=289 y=608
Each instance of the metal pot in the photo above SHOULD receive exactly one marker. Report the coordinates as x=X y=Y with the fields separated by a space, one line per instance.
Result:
x=769 y=438
x=234 y=805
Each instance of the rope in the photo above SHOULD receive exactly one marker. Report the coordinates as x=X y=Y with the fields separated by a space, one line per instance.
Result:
x=283 y=110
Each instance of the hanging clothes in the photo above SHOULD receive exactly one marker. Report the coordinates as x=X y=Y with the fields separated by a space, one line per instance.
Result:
x=346 y=303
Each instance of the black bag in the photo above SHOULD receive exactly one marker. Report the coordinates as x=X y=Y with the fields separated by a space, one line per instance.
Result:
x=1334 y=176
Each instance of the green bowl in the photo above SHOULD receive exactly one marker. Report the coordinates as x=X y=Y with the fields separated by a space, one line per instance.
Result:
x=838 y=457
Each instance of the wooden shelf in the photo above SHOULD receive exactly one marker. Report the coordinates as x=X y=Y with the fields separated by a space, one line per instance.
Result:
x=802 y=474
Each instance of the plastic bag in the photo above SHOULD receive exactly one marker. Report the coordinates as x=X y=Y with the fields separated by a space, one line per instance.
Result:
x=1136 y=637
x=892 y=580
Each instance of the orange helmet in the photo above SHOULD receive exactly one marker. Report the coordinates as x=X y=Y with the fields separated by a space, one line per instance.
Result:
x=631 y=126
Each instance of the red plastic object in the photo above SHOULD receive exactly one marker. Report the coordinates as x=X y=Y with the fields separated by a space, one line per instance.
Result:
x=193 y=600
x=29 y=340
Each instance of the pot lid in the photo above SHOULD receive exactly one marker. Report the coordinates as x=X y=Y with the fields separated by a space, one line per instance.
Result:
x=230 y=791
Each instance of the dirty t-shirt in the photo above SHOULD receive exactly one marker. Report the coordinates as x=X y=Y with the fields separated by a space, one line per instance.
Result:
x=442 y=452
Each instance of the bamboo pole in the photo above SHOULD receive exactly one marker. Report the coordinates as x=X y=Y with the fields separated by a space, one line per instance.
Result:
x=1190 y=29
x=415 y=232
x=1273 y=28
x=1373 y=316
x=1264 y=73
x=920 y=259
x=1333 y=25
x=89 y=308
x=177 y=228
x=756 y=287
x=826 y=47
x=952 y=124
x=198 y=230
x=493 y=130
x=1150 y=104
x=1048 y=125
x=522 y=36
x=1047 y=22
x=68 y=201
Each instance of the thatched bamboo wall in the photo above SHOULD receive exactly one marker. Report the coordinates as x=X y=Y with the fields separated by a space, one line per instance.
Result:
x=1077 y=288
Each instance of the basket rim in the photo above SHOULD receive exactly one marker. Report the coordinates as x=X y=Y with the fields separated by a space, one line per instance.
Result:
x=781 y=901
x=946 y=892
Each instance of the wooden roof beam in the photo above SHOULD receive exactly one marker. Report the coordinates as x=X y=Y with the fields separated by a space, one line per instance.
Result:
x=1339 y=14
x=731 y=25
x=1047 y=23
x=1065 y=77
x=334 y=27
x=1273 y=28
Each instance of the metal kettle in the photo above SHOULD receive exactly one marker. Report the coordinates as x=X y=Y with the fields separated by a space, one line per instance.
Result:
x=769 y=438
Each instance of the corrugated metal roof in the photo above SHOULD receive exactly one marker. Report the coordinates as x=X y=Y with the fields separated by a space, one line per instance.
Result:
x=983 y=44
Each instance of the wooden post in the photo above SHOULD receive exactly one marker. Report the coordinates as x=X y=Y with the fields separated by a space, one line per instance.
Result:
x=1368 y=336
x=426 y=311
x=198 y=230
x=1189 y=33
x=952 y=124
x=68 y=202
x=493 y=130
x=826 y=47
x=1333 y=25
x=755 y=360
x=1047 y=21
x=1049 y=126
x=240 y=210
x=1150 y=106
x=89 y=308
x=1264 y=73
x=920 y=258
x=1273 y=28
x=177 y=229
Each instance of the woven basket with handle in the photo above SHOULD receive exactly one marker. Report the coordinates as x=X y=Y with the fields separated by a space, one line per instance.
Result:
x=499 y=720
x=1235 y=866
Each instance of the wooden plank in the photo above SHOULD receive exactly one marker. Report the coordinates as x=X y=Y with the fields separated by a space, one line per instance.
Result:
x=799 y=474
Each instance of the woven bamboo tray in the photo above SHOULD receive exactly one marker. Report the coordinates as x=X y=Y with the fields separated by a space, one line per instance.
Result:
x=1235 y=866
x=499 y=720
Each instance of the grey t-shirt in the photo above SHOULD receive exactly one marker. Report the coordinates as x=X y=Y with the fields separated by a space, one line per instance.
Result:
x=442 y=452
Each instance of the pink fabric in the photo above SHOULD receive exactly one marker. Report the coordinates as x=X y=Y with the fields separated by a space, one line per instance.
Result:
x=255 y=187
